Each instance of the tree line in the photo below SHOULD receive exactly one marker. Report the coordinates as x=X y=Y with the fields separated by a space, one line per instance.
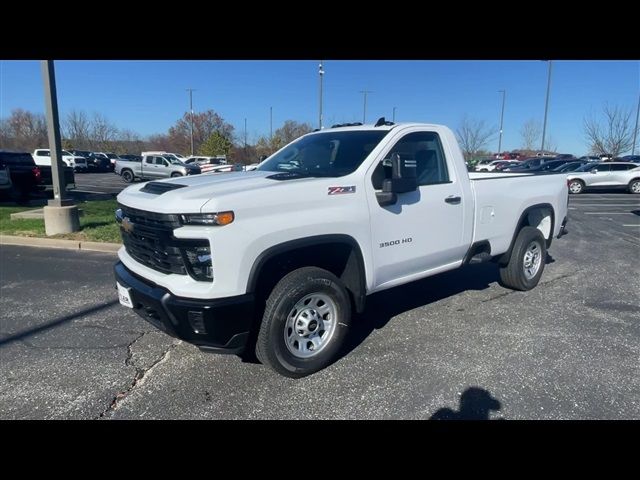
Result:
x=26 y=131
x=609 y=132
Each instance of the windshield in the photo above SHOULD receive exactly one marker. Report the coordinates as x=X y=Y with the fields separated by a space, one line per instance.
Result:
x=326 y=154
x=112 y=155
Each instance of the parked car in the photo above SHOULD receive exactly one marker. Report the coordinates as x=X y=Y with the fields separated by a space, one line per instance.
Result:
x=284 y=253
x=630 y=158
x=605 y=157
x=127 y=156
x=27 y=178
x=590 y=158
x=154 y=167
x=605 y=175
x=569 y=166
x=529 y=164
x=100 y=164
x=42 y=157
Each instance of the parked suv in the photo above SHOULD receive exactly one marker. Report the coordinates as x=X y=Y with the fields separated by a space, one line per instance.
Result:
x=605 y=175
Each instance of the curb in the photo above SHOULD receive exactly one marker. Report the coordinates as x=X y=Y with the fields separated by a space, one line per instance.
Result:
x=60 y=243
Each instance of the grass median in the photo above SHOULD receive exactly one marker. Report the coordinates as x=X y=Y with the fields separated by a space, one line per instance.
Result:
x=97 y=223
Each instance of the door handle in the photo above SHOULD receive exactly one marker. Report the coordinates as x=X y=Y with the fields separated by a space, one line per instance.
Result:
x=453 y=199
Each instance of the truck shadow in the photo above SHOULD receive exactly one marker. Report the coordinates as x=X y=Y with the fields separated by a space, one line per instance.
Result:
x=383 y=306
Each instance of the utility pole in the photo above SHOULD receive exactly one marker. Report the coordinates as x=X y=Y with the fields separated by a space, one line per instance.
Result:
x=504 y=94
x=394 y=115
x=60 y=214
x=321 y=74
x=191 y=90
x=546 y=107
x=245 y=133
x=364 y=113
x=270 y=123
x=635 y=131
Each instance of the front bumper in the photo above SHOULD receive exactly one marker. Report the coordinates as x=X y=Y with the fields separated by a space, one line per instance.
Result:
x=217 y=325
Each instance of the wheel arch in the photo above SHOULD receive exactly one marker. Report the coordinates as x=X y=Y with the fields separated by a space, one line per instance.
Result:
x=338 y=253
x=541 y=216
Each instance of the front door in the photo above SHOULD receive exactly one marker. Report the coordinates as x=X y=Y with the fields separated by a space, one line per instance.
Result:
x=599 y=176
x=423 y=230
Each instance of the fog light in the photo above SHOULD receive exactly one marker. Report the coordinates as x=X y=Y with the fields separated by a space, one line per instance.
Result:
x=199 y=265
x=196 y=321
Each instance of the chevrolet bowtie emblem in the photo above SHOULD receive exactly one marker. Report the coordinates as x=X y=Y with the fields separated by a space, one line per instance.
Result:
x=127 y=225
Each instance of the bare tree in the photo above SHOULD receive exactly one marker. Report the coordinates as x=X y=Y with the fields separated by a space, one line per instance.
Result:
x=473 y=135
x=530 y=133
x=103 y=133
x=551 y=144
x=24 y=130
x=77 y=129
x=204 y=125
x=612 y=133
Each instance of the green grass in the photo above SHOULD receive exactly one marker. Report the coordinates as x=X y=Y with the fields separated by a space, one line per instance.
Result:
x=97 y=224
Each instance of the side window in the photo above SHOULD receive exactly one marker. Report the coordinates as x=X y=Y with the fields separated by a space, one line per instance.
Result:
x=161 y=161
x=43 y=153
x=601 y=168
x=423 y=147
x=149 y=160
x=619 y=167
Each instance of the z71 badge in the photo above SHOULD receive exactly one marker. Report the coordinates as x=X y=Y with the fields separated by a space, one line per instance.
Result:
x=341 y=190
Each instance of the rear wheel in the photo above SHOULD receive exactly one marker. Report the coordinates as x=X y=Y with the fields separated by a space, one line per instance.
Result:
x=127 y=176
x=305 y=322
x=526 y=264
x=634 y=186
x=176 y=174
x=576 y=186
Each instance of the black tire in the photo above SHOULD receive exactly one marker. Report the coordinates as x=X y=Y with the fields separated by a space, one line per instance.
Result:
x=127 y=176
x=271 y=347
x=634 y=186
x=576 y=186
x=176 y=174
x=513 y=274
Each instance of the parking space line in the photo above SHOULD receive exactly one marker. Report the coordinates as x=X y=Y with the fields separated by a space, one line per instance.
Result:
x=631 y=225
x=87 y=191
x=608 y=213
x=609 y=204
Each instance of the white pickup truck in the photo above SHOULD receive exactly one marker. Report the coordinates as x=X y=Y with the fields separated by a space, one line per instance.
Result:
x=42 y=157
x=279 y=257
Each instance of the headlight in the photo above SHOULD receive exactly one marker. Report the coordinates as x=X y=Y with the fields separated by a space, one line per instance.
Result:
x=199 y=264
x=220 y=218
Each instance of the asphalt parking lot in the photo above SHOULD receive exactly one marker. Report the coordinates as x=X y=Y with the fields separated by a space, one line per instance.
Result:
x=457 y=345
x=99 y=183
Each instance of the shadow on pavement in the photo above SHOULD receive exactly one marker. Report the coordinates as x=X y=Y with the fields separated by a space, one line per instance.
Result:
x=382 y=307
x=475 y=404
x=54 y=323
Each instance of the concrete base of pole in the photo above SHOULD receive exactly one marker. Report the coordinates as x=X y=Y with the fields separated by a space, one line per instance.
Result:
x=61 y=220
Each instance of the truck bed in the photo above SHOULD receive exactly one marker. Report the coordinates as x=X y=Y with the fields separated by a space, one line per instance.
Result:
x=500 y=197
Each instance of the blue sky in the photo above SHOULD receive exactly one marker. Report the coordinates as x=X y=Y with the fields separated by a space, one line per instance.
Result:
x=149 y=96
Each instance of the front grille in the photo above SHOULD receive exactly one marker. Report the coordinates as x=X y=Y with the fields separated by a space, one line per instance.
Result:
x=150 y=240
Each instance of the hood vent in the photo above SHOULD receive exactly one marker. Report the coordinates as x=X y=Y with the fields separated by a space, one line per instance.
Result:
x=158 y=188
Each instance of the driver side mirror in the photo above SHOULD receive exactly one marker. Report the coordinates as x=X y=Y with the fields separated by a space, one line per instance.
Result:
x=595 y=170
x=403 y=179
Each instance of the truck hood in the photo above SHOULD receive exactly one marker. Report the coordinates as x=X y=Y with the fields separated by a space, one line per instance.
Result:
x=189 y=194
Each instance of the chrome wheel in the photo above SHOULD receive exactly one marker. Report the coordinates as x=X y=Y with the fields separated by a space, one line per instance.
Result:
x=532 y=260
x=310 y=325
x=635 y=187
x=575 y=187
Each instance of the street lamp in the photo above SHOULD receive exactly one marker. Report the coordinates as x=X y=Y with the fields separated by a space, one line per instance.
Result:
x=364 y=113
x=191 y=90
x=320 y=74
x=546 y=107
x=394 y=115
x=635 y=131
x=504 y=94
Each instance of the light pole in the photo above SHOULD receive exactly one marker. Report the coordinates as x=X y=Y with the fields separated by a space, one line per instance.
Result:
x=245 y=133
x=364 y=113
x=191 y=90
x=546 y=107
x=320 y=74
x=504 y=94
x=635 y=132
x=394 y=115
x=270 y=123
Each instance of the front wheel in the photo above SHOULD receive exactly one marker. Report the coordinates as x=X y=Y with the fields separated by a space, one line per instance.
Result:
x=634 y=186
x=527 y=260
x=305 y=322
x=576 y=186
x=176 y=174
x=127 y=176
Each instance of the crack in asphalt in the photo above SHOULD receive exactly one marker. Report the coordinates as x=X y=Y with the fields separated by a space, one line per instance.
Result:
x=511 y=292
x=141 y=373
